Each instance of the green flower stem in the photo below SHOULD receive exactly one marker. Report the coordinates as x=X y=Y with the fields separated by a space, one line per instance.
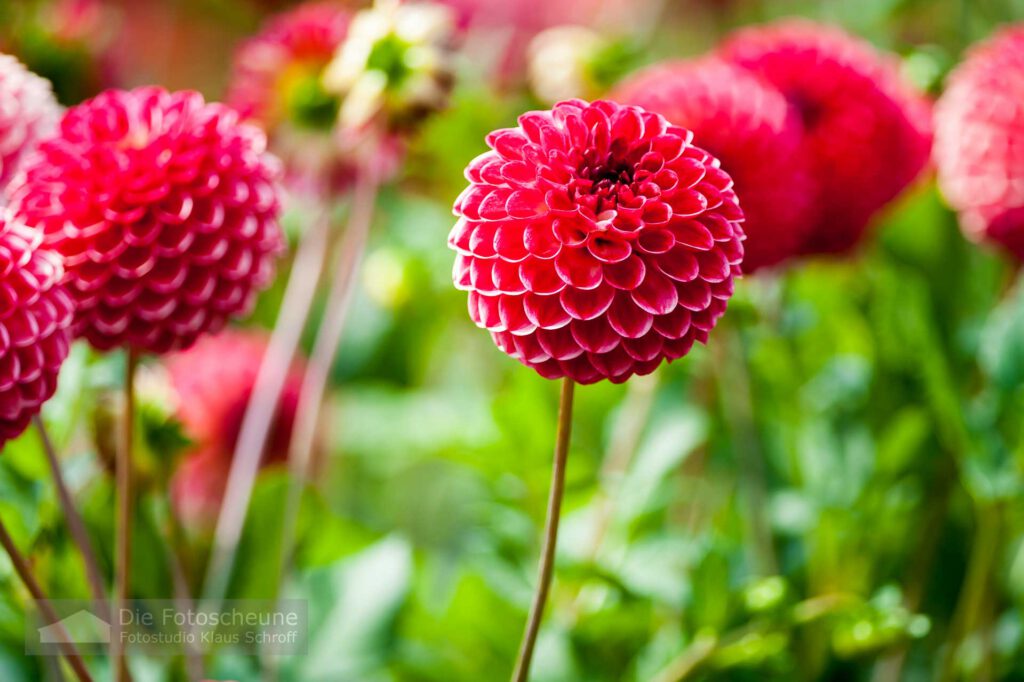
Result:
x=75 y=524
x=547 y=556
x=125 y=509
x=975 y=592
x=734 y=392
x=256 y=423
x=325 y=350
x=24 y=572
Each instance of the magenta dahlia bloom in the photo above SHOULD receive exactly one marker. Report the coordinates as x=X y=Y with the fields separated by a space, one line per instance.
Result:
x=165 y=211
x=596 y=241
x=867 y=133
x=213 y=382
x=35 y=319
x=979 y=141
x=277 y=74
x=28 y=112
x=750 y=127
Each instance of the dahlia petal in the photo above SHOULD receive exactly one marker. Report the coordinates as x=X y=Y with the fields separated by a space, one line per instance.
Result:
x=656 y=241
x=628 y=319
x=540 y=240
x=539 y=277
x=673 y=325
x=625 y=275
x=586 y=304
x=692 y=234
x=657 y=294
x=714 y=267
x=545 y=311
x=559 y=343
x=513 y=316
x=694 y=295
x=644 y=349
x=579 y=269
x=595 y=336
x=607 y=249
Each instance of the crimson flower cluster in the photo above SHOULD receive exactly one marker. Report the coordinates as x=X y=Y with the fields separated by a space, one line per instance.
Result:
x=866 y=132
x=979 y=141
x=164 y=210
x=596 y=241
x=35 y=319
x=28 y=112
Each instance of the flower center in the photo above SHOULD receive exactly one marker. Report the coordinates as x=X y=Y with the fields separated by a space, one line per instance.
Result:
x=602 y=183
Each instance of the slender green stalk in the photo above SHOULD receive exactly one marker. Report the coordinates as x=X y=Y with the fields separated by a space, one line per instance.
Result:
x=75 y=524
x=266 y=393
x=734 y=391
x=125 y=509
x=24 y=572
x=546 y=568
x=974 y=594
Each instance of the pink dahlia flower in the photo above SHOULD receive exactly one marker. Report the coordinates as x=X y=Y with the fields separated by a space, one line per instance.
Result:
x=867 y=133
x=35 y=319
x=213 y=382
x=750 y=127
x=277 y=74
x=979 y=141
x=165 y=211
x=596 y=241
x=28 y=112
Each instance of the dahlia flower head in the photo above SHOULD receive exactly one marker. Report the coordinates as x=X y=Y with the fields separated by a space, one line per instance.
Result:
x=595 y=241
x=164 y=210
x=212 y=382
x=28 y=112
x=750 y=127
x=867 y=133
x=395 y=66
x=276 y=75
x=979 y=141
x=35 y=321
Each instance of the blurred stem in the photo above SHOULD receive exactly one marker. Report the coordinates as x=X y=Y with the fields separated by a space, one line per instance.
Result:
x=547 y=557
x=75 y=524
x=734 y=392
x=259 y=415
x=24 y=572
x=172 y=537
x=890 y=668
x=325 y=349
x=974 y=594
x=321 y=360
x=123 y=466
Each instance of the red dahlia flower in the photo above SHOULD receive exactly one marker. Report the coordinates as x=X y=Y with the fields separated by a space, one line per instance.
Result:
x=213 y=381
x=276 y=74
x=28 y=112
x=979 y=141
x=596 y=241
x=749 y=126
x=165 y=212
x=35 y=316
x=867 y=133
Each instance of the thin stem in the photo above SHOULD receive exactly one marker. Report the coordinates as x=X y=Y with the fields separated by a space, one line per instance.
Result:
x=974 y=593
x=547 y=556
x=325 y=349
x=172 y=536
x=125 y=504
x=75 y=524
x=270 y=380
x=25 y=573
x=734 y=390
